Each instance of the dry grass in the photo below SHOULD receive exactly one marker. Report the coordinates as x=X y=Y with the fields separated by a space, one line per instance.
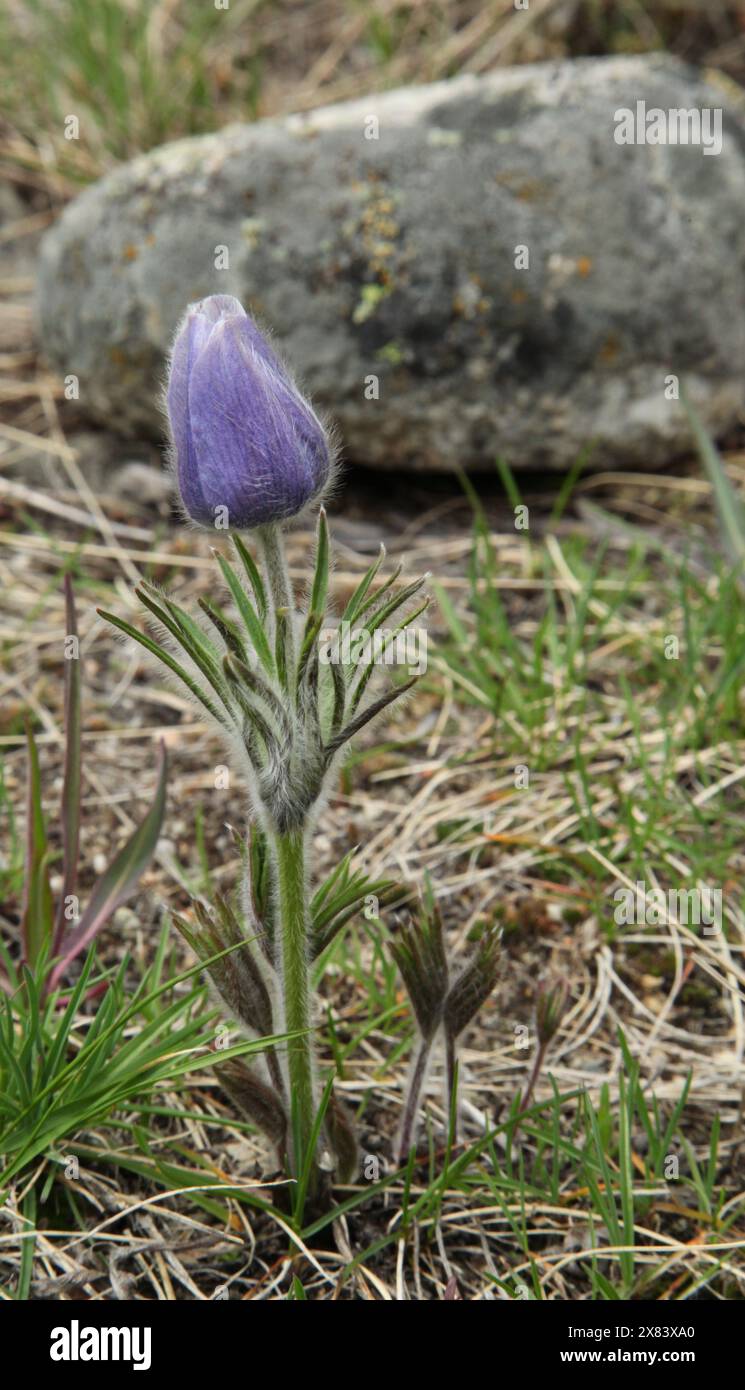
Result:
x=676 y=994
x=442 y=801
x=400 y=807
x=137 y=74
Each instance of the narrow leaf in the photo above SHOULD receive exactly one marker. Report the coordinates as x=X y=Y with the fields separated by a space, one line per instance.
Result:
x=37 y=917
x=365 y=715
x=252 y=574
x=185 y=631
x=312 y=629
x=250 y=710
x=730 y=508
x=71 y=782
x=367 y=671
x=353 y=606
x=321 y=576
x=255 y=682
x=282 y=644
x=248 y=614
x=120 y=879
x=378 y=617
x=227 y=629
x=339 y=679
x=165 y=656
x=255 y=1100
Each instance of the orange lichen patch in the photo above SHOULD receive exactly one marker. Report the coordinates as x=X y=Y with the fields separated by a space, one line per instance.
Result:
x=584 y=265
x=526 y=190
x=130 y=252
x=610 y=349
x=529 y=191
x=519 y=296
x=379 y=234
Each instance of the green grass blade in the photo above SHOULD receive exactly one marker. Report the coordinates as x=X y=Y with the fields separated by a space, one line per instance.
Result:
x=37 y=918
x=730 y=508
x=71 y=782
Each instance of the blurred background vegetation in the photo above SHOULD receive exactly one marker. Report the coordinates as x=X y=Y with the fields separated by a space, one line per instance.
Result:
x=139 y=72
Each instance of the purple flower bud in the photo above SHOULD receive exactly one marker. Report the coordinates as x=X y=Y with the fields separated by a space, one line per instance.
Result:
x=244 y=437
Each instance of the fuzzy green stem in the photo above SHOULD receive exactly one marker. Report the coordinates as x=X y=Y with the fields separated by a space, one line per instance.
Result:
x=280 y=589
x=294 y=928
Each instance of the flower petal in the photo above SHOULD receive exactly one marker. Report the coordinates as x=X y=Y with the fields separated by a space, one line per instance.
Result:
x=259 y=449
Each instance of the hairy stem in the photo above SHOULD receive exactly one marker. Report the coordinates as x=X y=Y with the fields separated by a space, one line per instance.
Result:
x=275 y=1072
x=450 y=1083
x=275 y=563
x=294 y=930
x=534 y=1074
x=416 y=1081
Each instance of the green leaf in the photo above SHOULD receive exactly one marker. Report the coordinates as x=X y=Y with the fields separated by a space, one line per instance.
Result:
x=227 y=629
x=339 y=681
x=259 y=878
x=353 y=606
x=71 y=782
x=248 y=614
x=253 y=575
x=239 y=674
x=473 y=985
x=190 y=638
x=378 y=617
x=249 y=708
x=339 y=874
x=258 y=1101
x=318 y=595
x=379 y=592
x=37 y=918
x=120 y=879
x=282 y=644
x=320 y=587
x=28 y=1247
x=312 y=629
x=327 y=922
x=310 y=1151
x=418 y=949
x=365 y=715
x=209 y=653
x=729 y=506
x=165 y=656
x=366 y=673
x=507 y=478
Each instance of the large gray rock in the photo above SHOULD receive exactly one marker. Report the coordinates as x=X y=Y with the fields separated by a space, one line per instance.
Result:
x=395 y=258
